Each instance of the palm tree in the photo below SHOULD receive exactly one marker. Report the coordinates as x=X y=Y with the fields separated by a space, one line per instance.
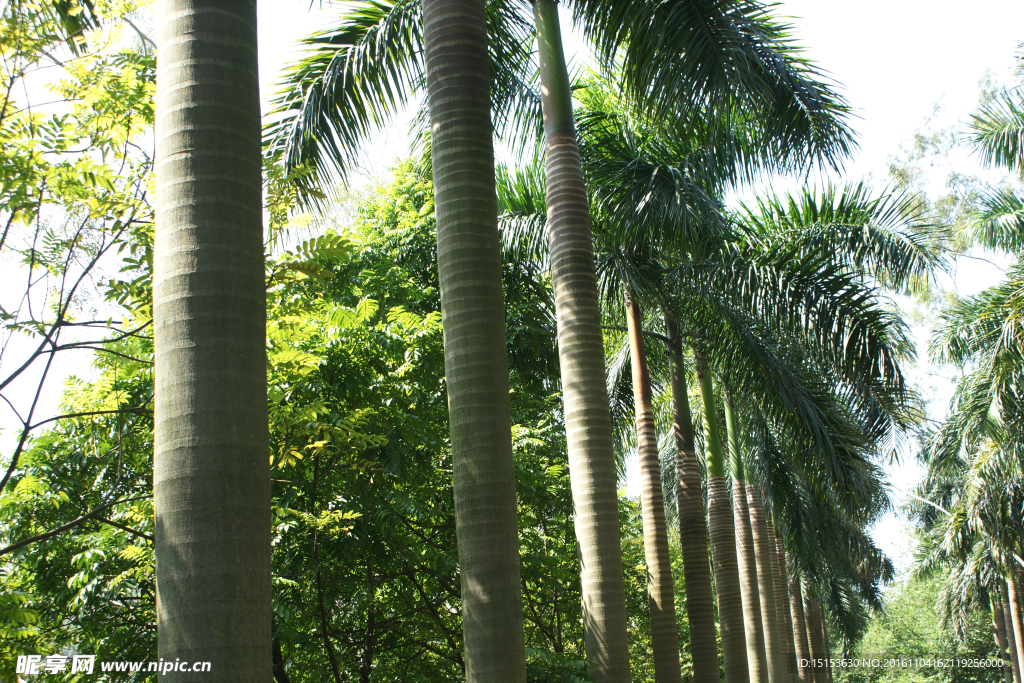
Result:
x=473 y=320
x=664 y=630
x=588 y=423
x=1011 y=642
x=211 y=474
x=782 y=611
x=765 y=580
x=815 y=629
x=757 y=658
x=999 y=628
x=693 y=533
x=796 y=606
x=723 y=537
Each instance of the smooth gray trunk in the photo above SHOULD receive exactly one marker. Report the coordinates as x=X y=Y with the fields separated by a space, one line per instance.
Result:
x=803 y=648
x=723 y=539
x=211 y=473
x=757 y=661
x=1014 y=602
x=1011 y=642
x=588 y=423
x=999 y=631
x=473 y=319
x=765 y=581
x=815 y=630
x=660 y=591
x=693 y=532
x=785 y=620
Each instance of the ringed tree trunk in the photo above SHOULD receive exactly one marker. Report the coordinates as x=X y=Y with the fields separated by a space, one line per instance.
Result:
x=473 y=320
x=825 y=639
x=1011 y=643
x=211 y=470
x=765 y=581
x=757 y=661
x=814 y=647
x=588 y=423
x=782 y=609
x=999 y=629
x=818 y=647
x=1014 y=602
x=723 y=539
x=796 y=607
x=693 y=533
x=660 y=591
x=780 y=640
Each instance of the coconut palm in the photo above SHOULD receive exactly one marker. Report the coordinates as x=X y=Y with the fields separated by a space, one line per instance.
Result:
x=211 y=475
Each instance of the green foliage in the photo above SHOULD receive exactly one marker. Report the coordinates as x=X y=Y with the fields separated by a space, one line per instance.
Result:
x=365 y=561
x=544 y=667
x=908 y=629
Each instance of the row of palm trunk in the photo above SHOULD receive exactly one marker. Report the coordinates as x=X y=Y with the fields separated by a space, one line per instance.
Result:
x=211 y=473
x=1005 y=603
x=766 y=632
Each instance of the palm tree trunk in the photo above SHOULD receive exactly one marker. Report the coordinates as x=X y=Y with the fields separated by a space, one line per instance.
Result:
x=693 y=533
x=581 y=355
x=211 y=473
x=757 y=661
x=473 y=321
x=999 y=628
x=660 y=591
x=1011 y=641
x=828 y=643
x=782 y=608
x=780 y=623
x=765 y=581
x=723 y=540
x=1013 y=600
x=816 y=632
x=803 y=648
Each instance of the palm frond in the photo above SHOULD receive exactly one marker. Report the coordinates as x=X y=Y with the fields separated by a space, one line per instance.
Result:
x=718 y=55
x=883 y=235
x=997 y=130
x=355 y=78
x=998 y=222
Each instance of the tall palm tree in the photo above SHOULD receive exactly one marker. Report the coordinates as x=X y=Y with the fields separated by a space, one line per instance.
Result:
x=581 y=356
x=999 y=628
x=693 y=533
x=757 y=659
x=815 y=629
x=211 y=474
x=1011 y=642
x=796 y=606
x=723 y=538
x=664 y=630
x=786 y=623
x=765 y=579
x=476 y=361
